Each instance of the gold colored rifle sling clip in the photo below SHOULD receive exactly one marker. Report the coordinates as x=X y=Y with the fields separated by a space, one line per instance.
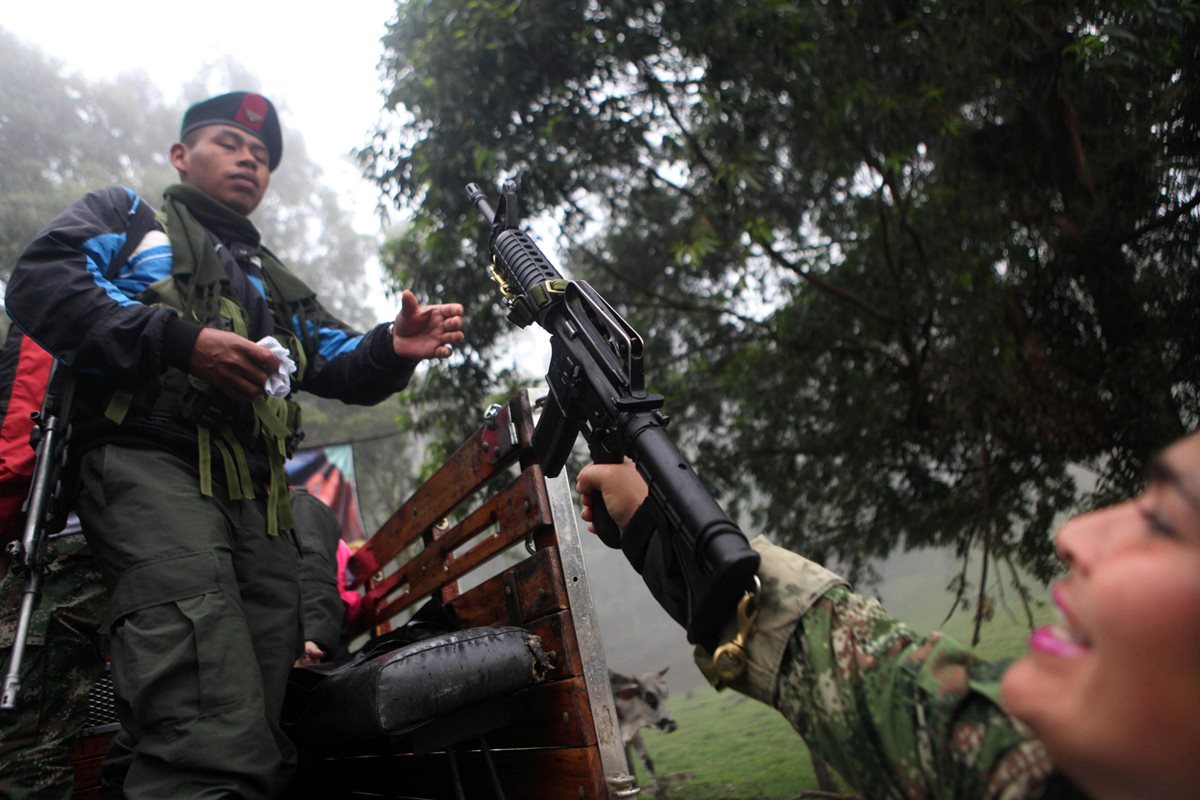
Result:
x=729 y=660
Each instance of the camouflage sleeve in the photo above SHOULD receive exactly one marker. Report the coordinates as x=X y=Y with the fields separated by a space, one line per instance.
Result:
x=899 y=715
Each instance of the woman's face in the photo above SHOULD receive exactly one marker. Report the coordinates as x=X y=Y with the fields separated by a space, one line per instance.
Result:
x=1113 y=690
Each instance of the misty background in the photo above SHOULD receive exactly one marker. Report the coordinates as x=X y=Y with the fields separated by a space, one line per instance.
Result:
x=917 y=280
x=63 y=133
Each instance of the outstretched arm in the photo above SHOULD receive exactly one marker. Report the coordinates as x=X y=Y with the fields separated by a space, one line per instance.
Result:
x=842 y=671
x=426 y=331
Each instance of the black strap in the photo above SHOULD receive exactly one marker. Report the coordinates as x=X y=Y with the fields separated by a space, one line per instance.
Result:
x=239 y=267
x=141 y=221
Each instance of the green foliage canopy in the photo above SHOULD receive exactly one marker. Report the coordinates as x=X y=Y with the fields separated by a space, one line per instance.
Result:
x=61 y=135
x=900 y=266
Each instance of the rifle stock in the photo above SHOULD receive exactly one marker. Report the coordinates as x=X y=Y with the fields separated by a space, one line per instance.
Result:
x=595 y=383
x=44 y=514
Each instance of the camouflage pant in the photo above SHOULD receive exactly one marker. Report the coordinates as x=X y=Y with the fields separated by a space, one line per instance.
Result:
x=63 y=659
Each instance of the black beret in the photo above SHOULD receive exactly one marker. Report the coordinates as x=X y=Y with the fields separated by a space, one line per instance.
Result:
x=251 y=112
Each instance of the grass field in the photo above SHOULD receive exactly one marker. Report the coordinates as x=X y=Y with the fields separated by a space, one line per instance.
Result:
x=730 y=748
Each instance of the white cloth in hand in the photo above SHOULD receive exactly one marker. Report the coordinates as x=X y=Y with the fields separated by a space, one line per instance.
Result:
x=279 y=384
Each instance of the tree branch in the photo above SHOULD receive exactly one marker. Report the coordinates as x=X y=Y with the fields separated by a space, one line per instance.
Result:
x=989 y=531
x=826 y=286
x=1165 y=220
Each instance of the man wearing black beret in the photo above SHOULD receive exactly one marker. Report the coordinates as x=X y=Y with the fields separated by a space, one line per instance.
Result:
x=186 y=354
x=253 y=113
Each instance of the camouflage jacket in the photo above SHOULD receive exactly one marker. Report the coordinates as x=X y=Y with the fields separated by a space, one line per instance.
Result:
x=898 y=714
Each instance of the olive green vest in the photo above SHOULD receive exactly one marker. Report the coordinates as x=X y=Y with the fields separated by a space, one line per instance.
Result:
x=222 y=423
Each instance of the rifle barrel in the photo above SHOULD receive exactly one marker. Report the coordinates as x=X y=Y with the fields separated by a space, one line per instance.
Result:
x=39 y=516
x=477 y=196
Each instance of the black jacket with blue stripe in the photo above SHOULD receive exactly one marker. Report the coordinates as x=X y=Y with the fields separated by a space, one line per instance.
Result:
x=68 y=296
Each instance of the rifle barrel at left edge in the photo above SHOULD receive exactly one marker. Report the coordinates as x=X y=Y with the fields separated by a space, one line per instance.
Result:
x=55 y=417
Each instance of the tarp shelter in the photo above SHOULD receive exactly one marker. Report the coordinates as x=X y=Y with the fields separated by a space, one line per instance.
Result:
x=328 y=474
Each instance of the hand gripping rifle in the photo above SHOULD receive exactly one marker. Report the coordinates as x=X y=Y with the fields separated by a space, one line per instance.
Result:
x=595 y=389
x=45 y=513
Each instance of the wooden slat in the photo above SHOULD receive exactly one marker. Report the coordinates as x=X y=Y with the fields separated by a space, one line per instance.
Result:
x=87 y=772
x=95 y=744
x=551 y=715
x=518 y=510
x=551 y=774
x=558 y=636
x=573 y=772
x=450 y=590
x=86 y=759
x=463 y=473
x=524 y=592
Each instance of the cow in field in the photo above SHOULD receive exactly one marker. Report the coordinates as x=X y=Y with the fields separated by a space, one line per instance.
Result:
x=641 y=702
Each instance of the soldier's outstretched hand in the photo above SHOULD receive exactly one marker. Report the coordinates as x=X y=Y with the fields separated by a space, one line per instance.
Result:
x=426 y=331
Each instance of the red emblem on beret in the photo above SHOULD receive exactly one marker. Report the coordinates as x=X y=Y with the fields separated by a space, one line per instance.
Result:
x=252 y=112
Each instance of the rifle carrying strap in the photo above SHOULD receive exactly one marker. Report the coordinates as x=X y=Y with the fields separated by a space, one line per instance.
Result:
x=142 y=220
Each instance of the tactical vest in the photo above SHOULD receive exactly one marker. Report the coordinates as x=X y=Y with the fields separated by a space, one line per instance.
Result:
x=223 y=424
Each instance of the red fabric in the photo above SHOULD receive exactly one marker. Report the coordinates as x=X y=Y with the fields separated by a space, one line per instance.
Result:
x=333 y=489
x=16 y=456
x=352 y=599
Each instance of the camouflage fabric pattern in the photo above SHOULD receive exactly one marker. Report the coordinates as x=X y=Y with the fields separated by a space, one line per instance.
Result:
x=790 y=586
x=899 y=715
x=61 y=664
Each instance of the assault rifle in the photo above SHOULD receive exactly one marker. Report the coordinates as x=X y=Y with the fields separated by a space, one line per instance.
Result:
x=45 y=513
x=596 y=389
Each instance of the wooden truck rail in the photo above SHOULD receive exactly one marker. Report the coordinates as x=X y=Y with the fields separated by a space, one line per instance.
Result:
x=557 y=738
